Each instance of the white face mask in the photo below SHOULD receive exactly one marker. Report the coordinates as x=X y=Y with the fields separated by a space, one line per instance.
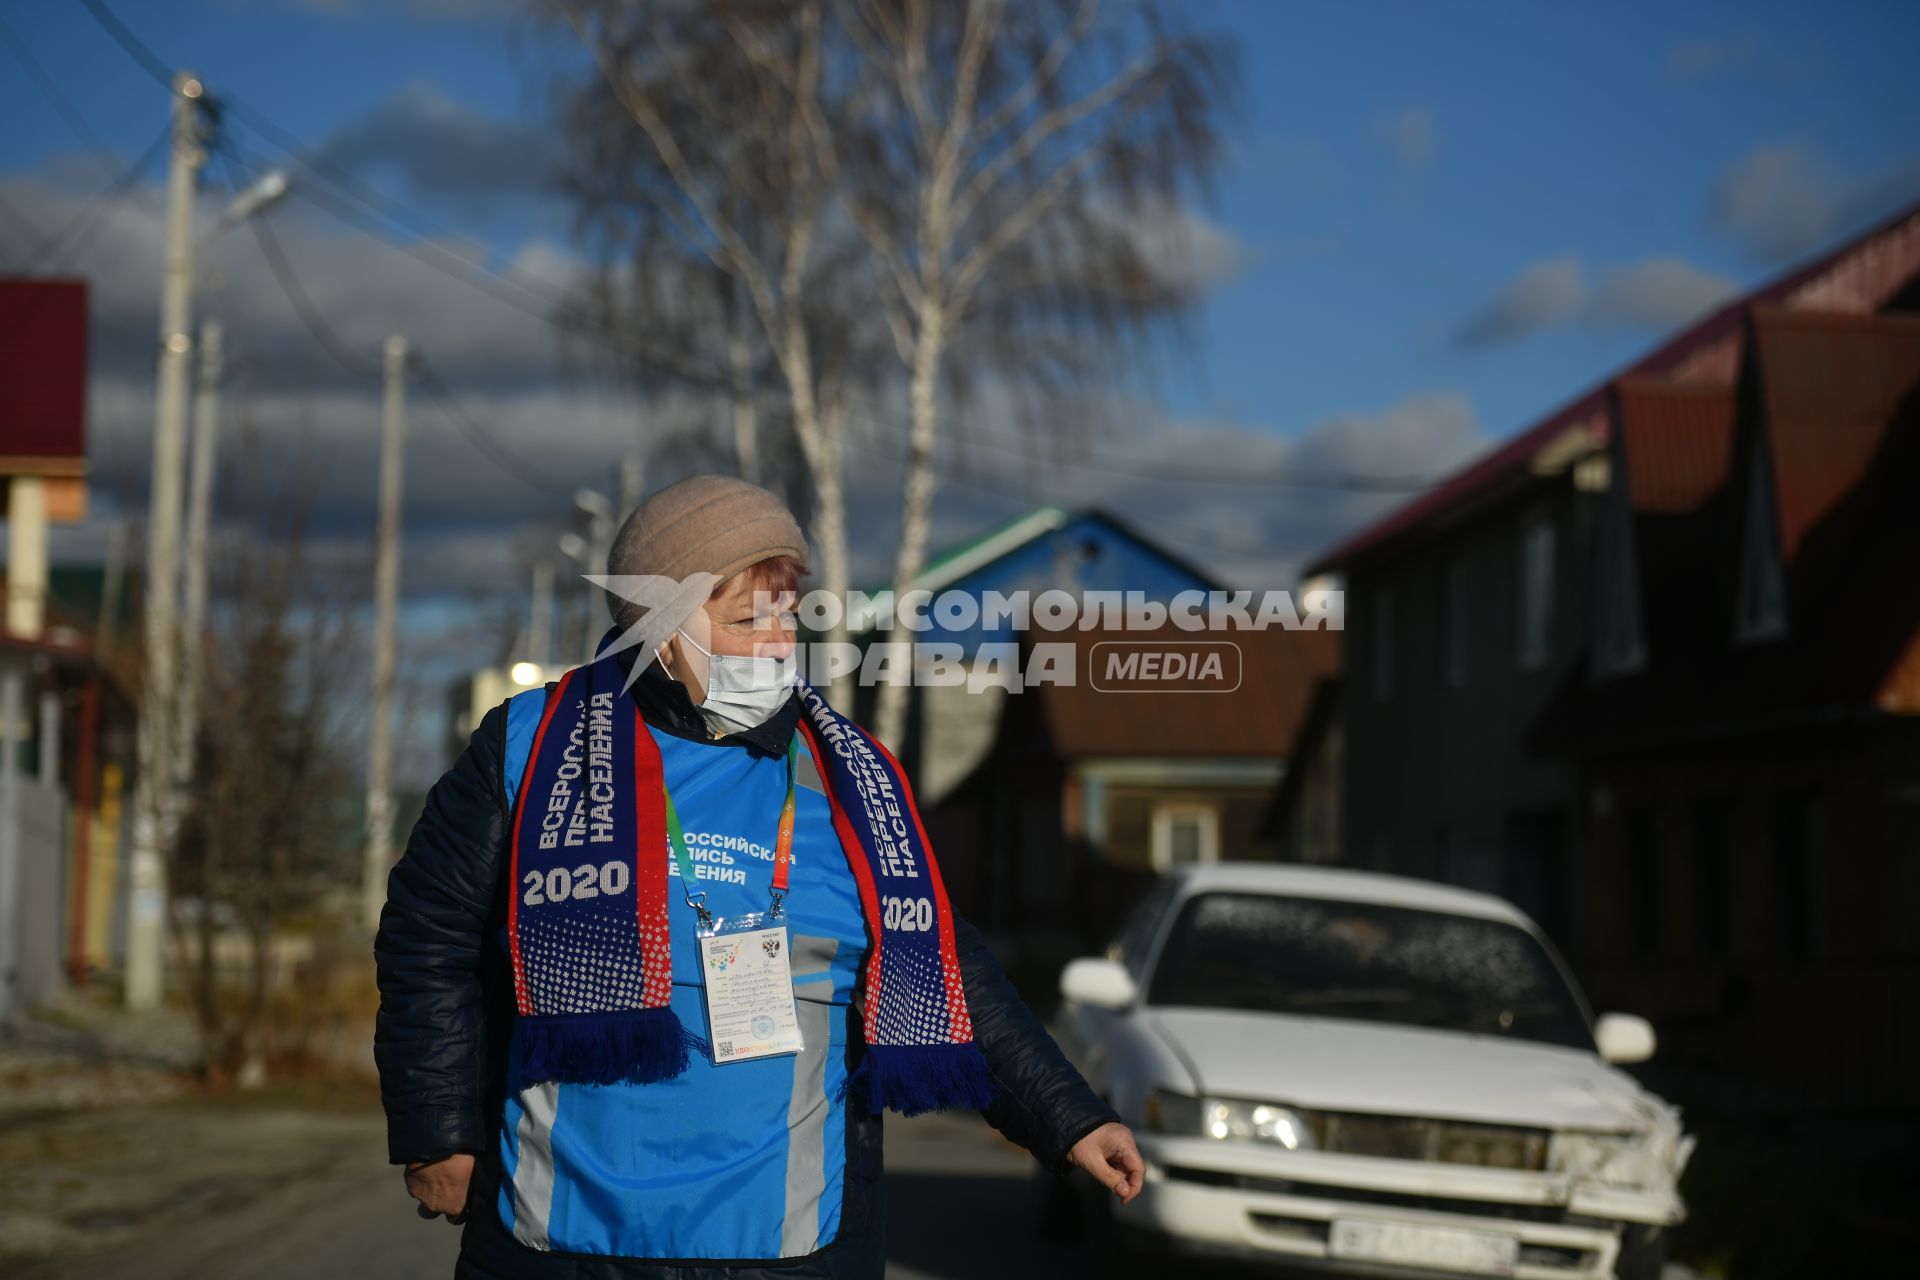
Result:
x=744 y=691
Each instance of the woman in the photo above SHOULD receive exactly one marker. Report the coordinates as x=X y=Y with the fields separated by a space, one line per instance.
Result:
x=667 y=939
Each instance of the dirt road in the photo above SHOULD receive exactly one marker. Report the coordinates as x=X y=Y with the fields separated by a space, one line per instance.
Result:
x=190 y=1190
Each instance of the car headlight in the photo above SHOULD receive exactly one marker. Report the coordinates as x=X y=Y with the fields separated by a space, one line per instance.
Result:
x=1228 y=1118
x=1610 y=1159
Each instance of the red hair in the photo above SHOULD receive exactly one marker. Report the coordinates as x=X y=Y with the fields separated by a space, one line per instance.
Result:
x=775 y=575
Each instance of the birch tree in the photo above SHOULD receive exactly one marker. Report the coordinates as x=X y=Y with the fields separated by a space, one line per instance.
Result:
x=717 y=165
x=1013 y=176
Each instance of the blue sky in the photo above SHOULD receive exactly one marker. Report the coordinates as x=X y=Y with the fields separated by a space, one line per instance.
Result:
x=1406 y=162
x=1438 y=222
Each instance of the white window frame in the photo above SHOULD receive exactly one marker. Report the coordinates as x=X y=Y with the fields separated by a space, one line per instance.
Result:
x=1539 y=545
x=1165 y=815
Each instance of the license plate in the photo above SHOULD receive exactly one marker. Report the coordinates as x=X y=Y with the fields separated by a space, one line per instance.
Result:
x=1414 y=1244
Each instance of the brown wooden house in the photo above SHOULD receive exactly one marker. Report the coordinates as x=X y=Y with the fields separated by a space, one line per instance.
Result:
x=1091 y=789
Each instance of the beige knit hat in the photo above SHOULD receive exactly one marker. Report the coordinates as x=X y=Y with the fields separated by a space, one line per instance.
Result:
x=703 y=525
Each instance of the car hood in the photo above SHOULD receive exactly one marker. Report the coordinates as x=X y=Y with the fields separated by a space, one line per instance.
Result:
x=1337 y=1064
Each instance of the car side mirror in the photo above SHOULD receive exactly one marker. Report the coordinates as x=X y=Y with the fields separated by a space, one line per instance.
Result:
x=1624 y=1038
x=1098 y=982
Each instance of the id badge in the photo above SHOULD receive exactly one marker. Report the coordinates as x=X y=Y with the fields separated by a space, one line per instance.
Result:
x=749 y=986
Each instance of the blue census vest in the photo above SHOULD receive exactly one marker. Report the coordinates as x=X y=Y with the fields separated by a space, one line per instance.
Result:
x=745 y=1161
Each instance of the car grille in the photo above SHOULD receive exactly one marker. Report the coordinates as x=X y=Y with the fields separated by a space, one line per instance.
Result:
x=1384 y=1199
x=1488 y=1146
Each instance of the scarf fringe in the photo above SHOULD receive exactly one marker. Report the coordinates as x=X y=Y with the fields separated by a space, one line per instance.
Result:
x=916 y=1078
x=634 y=1046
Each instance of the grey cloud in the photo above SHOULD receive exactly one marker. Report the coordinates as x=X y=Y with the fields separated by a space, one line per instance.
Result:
x=552 y=410
x=1657 y=293
x=444 y=149
x=1653 y=294
x=1544 y=295
x=1260 y=537
x=329 y=442
x=1251 y=535
x=361 y=289
x=1784 y=201
x=1778 y=202
x=1188 y=247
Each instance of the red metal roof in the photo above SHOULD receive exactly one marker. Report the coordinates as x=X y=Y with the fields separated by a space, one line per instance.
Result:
x=43 y=368
x=1831 y=385
x=1838 y=411
x=1677 y=442
x=1859 y=276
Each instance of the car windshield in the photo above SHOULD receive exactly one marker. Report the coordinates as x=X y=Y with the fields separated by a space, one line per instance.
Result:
x=1360 y=960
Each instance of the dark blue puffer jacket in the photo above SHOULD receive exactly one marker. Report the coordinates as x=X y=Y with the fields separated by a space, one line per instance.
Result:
x=446 y=1010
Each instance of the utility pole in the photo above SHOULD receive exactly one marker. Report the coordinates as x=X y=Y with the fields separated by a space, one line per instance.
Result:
x=152 y=819
x=386 y=605
x=206 y=430
x=12 y=700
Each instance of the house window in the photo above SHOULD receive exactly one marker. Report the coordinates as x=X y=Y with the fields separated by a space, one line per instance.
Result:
x=1536 y=594
x=1184 y=834
x=1761 y=614
x=1453 y=624
x=1382 y=645
x=1619 y=645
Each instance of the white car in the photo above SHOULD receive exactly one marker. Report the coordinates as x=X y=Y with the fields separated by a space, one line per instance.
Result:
x=1372 y=1075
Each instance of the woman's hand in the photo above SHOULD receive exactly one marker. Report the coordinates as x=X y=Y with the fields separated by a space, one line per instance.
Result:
x=441 y=1186
x=1109 y=1155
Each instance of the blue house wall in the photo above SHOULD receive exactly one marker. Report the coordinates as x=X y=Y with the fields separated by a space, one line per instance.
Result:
x=1091 y=552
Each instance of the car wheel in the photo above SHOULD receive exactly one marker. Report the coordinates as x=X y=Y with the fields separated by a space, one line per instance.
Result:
x=1643 y=1253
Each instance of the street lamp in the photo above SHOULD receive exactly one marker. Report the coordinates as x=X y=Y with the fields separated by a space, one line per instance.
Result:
x=270 y=190
x=156 y=796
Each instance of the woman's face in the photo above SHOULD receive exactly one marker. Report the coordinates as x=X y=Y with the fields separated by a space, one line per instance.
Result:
x=733 y=621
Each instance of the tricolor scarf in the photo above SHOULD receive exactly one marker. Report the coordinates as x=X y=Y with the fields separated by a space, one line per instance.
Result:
x=587 y=915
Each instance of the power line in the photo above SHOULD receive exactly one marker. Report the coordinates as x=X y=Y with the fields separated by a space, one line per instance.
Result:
x=294 y=292
x=347 y=358
x=83 y=225
x=148 y=60
x=296 y=295
x=431 y=248
x=479 y=437
x=51 y=88
x=550 y=309
x=481 y=275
